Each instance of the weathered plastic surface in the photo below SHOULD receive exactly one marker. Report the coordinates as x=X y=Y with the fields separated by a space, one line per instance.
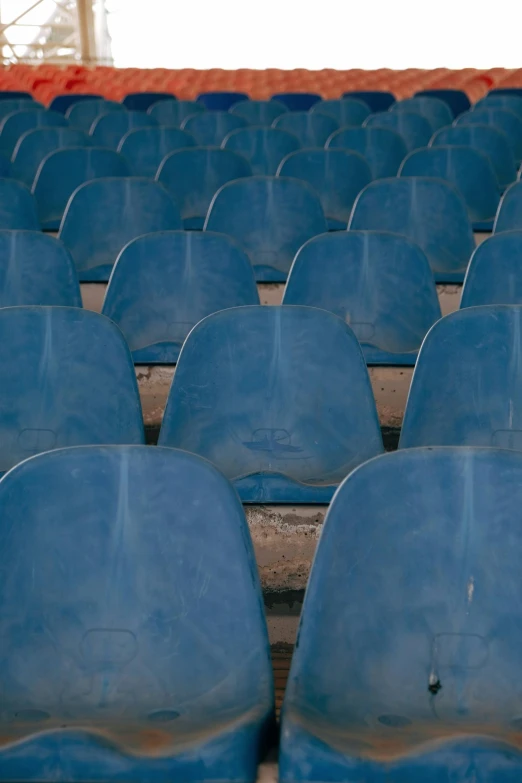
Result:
x=467 y=387
x=437 y=112
x=383 y=148
x=209 y=128
x=142 y=101
x=511 y=102
x=121 y=209
x=380 y=284
x=108 y=130
x=311 y=129
x=163 y=284
x=347 y=111
x=126 y=662
x=457 y=100
x=36 y=144
x=297 y=101
x=11 y=105
x=247 y=397
x=70 y=382
x=413 y=128
x=494 y=273
x=193 y=176
x=17 y=206
x=264 y=148
x=504 y=119
x=145 y=148
x=258 y=112
x=469 y=170
x=82 y=115
x=406 y=667
x=221 y=101
x=16 y=124
x=171 y=113
x=64 y=170
x=270 y=217
x=509 y=215
x=493 y=142
x=377 y=100
x=336 y=175
x=62 y=103
x=430 y=212
x=36 y=269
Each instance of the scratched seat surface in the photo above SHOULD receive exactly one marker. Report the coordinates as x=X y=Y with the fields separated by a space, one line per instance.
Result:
x=164 y=283
x=83 y=114
x=71 y=381
x=145 y=148
x=108 y=129
x=380 y=284
x=259 y=113
x=436 y=111
x=413 y=128
x=467 y=385
x=509 y=215
x=121 y=658
x=347 y=111
x=495 y=273
x=17 y=206
x=171 y=113
x=383 y=149
x=407 y=663
x=247 y=397
x=209 y=128
x=264 y=148
x=36 y=144
x=13 y=126
x=311 y=129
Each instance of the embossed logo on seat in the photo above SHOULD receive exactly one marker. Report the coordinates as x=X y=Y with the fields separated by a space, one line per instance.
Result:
x=276 y=441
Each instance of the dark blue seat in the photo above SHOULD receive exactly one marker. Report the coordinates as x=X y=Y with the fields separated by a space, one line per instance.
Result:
x=142 y=101
x=62 y=103
x=125 y=662
x=16 y=124
x=270 y=217
x=36 y=144
x=406 y=668
x=6 y=95
x=221 y=101
x=383 y=149
x=17 y=207
x=297 y=101
x=264 y=148
x=6 y=169
x=437 y=112
x=13 y=105
x=414 y=129
x=430 y=212
x=64 y=170
x=380 y=284
x=258 y=112
x=347 y=111
x=457 y=100
x=509 y=215
x=145 y=148
x=193 y=176
x=247 y=397
x=494 y=101
x=109 y=129
x=506 y=91
x=336 y=175
x=82 y=115
x=376 y=100
x=164 y=283
x=120 y=209
x=311 y=129
x=210 y=128
x=495 y=273
x=504 y=119
x=171 y=114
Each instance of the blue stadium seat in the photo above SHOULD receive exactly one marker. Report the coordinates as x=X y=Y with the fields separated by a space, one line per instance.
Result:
x=311 y=129
x=491 y=141
x=506 y=91
x=16 y=124
x=71 y=382
x=36 y=269
x=509 y=215
x=10 y=106
x=264 y=148
x=145 y=148
x=495 y=101
x=62 y=171
x=469 y=170
x=495 y=273
x=258 y=112
x=171 y=114
x=247 y=397
x=122 y=658
x=6 y=95
x=17 y=207
x=142 y=101
x=82 y=115
x=383 y=149
x=457 y=100
x=414 y=129
x=36 y=144
x=376 y=100
x=504 y=119
x=221 y=101
x=121 y=209
x=61 y=103
x=163 y=284
x=109 y=129
x=6 y=169
x=407 y=663
x=347 y=111
x=297 y=101
x=336 y=175
x=430 y=212
x=270 y=217
x=210 y=128
x=380 y=284
x=193 y=176
x=437 y=112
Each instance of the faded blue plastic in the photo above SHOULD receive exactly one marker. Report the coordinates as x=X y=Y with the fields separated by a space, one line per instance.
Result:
x=247 y=397
x=406 y=666
x=437 y=112
x=144 y=149
x=6 y=95
x=493 y=142
x=221 y=101
x=469 y=170
x=264 y=148
x=109 y=129
x=347 y=111
x=61 y=172
x=126 y=662
x=311 y=129
x=171 y=113
x=414 y=129
x=509 y=215
x=376 y=100
x=506 y=91
x=336 y=175
x=504 y=119
x=82 y=115
x=71 y=382
x=380 y=284
x=495 y=272
x=383 y=148
x=270 y=217
x=17 y=206
x=12 y=105
x=193 y=176
x=121 y=209
x=511 y=102
x=36 y=269
x=467 y=383
x=258 y=112
x=297 y=101
x=163 y=284
x=142 y=101
x=5 y=167
x=35 y=145
x=16 y=124
x=63 y=102
x=457 y=100
x=209 y=128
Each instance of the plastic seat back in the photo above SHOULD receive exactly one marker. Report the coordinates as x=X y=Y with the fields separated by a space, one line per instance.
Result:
x=247 y=397
x=264 y=148
x=209 y=128
x=414 y=129
x=297 y=101
x=17 y=207
x=61 y=103
x=509 y=215
x=6 y=95
x=145 y=148
x=383 y=148
x=170 y=114
x=347 y=111
x=504 y=119
x=15 y=125
x=142 y=101
x=457 y=100
x=311 y=129
x=36 y=144
x=437 y=112
x=494 y=274
x=12 y=105
x=506 y=91
x=109 y=129
x=221 y=101
x=258 y=112
x=376 y=100
x=511 y=102
x=82 y=115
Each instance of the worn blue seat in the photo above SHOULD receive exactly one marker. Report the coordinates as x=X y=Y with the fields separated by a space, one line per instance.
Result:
x=376 y=100
x=71 y=382
x=36 y=269
x=16 y=124
x=17 y=206
x=469 y=170
x=193 y=176
x=509 y=215
x=380 y=284
x=221 y=100
x=62 y=103
x=258 y=112
x=270 y=217
x=282 y=428
x=209 y=128
x=437 y=112
x=494 y=273
x=457 y=100
x=36 y=144
x=82 y=115
x=109 y=129
x=145 y=148
x=121 y=209
x=406 y=668
x=504 y=119
x=383 y=148
x=264 y=148
x=493 y=101
x=171 y=114
x=164 y=283
x=336 y=175
x=297 y=101
x=142 y=101
x=12 y=105
x=125 y=662
x=311 y=129
x=414 y=129
x=430 y=212
x=64 y=170
x=347 y=111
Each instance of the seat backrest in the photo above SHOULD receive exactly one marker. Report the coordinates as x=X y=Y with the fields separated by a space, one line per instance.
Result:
x=142 y=101
x=376 y=100
x=6 y=95
x=16 y=124
x=264 y=148
x=61 y=103
x=437 y=112
x=457 y=100
x=511 y=102
x=145 y=148
x=221 y=101
x=383 y=148
x=297 y=101
x=209 y=128
x=170 y=114
x=36 y=144
x=108 y=130
x=347 y=111
x=494 y=274
x=509 y=215
x=17 y=207
x=11 y=105
x=82 y=115
x=311 y=129
x=413 y=128
x=506 y=120
x=258 y=112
